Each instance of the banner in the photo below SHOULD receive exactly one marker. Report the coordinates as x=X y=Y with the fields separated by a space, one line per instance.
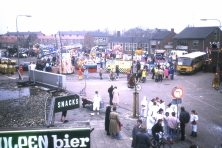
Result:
x=46 y=138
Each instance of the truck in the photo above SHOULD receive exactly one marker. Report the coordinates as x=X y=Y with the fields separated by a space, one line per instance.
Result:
x=177 y=53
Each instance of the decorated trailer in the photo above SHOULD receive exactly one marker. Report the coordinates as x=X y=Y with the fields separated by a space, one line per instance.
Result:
x=123 y=65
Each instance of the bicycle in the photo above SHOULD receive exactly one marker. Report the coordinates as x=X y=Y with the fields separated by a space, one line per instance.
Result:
x=162 y=142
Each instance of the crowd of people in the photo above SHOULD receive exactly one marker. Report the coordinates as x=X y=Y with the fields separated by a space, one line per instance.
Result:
x=165 y=120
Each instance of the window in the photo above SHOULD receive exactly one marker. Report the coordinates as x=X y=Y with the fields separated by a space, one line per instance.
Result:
x=195 y=42
x=126 y=47
x=215 y=35
x=145 y=47
x=153 y=42
x=134 y=46
x=183 y=42
x=130 y=47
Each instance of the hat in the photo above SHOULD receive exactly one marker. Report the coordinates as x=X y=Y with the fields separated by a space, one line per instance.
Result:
x=139 y=120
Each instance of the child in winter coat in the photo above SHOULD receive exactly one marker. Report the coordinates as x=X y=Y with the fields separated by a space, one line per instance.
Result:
x=193 y=119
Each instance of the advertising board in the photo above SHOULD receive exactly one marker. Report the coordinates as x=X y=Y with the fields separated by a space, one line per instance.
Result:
x=46 y=138
x=66 y=103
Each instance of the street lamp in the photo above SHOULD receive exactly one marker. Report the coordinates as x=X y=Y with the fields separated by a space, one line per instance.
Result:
x=17 y=35
x=218 y=41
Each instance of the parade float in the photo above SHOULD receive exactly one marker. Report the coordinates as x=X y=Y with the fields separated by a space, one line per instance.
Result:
x=86 y=62
x=160 y=56
x=116 y=58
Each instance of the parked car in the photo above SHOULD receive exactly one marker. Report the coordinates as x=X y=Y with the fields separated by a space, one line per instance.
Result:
x=25 y=66
x=21 y=55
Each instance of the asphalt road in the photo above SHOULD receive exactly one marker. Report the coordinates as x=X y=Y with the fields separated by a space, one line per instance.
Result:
x=198 y=95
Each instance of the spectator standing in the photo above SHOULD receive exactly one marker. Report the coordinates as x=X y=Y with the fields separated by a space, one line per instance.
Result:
x=138 y=65
x=96 y=102
x=117 y=71
x=114 y=123
x=160 y=75
x=171 y=72
x=136 y=129
x=101 y=73
x=80 y=74
x=144 y=76
x=115 y=96
x=184 y=120
x=153 y=72
x=172 y=122
x=101 y=62
x=128 y=74
x=143 y=139
x=193 y=119
x=63 y=116
x=166 y=73
x=110 y=91
x=85 y=73
x=107 y=120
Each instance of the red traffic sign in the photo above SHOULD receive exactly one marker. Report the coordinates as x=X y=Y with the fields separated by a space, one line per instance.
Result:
x=177 y=92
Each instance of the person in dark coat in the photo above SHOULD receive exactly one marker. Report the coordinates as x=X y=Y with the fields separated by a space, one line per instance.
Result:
x=110 y=91
x=184 y=120
x=136 y=129
x=131 y=81
x=117 y=70
x=156 y=129
x=171 y=72
x=108 y=110
x=143 y=139
x=138 y=66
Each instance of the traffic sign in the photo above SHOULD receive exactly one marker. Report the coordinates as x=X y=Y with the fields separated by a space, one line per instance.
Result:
x=177 y=92
x=177 y=101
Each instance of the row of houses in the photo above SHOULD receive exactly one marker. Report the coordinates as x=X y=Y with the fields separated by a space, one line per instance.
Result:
x=190 y=39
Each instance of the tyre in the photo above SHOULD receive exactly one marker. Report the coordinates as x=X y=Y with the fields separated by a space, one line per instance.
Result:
x=138 y=87
x=164 y=145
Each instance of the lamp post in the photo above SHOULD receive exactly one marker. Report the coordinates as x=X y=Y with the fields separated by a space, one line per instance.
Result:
x=218 y=45
x=17 y=35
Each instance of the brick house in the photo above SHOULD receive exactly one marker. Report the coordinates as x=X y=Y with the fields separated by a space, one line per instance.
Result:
x=96 y=38
x=25 y=39
x=162 y=39
x=158 y=39
x=198 y=39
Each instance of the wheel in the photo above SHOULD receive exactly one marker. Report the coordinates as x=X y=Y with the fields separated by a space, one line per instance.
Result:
x=138 y=87
x=164 y=145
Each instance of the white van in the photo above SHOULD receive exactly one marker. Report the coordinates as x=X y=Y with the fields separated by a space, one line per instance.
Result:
x=179 y=53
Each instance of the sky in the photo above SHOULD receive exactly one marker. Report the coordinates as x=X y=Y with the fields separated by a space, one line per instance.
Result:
x=51 y=16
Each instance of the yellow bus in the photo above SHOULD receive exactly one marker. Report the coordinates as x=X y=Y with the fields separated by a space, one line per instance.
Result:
x=191 y=63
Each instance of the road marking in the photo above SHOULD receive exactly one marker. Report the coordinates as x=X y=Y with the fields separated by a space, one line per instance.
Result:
x=9 y=77
x=193 y=97
x=190 y=83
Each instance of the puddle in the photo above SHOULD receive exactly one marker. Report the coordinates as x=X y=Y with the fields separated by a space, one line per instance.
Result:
x=14 y=94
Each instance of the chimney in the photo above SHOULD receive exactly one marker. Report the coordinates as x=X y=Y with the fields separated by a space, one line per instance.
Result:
x=118 y=33
x=172 y=29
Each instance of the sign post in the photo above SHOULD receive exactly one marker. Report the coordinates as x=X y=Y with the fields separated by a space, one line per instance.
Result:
x=177 y=93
